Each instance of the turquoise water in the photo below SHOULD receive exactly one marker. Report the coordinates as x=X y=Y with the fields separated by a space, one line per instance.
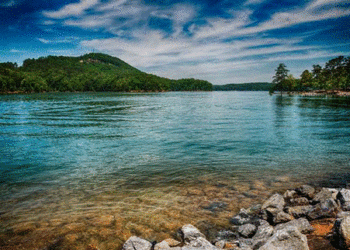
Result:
x=57 y=138
x=91 y=144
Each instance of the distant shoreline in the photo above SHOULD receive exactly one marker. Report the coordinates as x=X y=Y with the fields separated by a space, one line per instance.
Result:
x=335 y=93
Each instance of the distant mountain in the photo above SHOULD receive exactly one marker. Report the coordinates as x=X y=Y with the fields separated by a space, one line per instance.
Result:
x=90 y=72
x=254 y=86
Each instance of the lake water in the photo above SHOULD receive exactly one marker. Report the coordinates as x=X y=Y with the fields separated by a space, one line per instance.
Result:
x=95 y=168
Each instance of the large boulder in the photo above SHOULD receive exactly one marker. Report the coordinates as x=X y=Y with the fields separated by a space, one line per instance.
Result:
x=136 y=243
x=288 y=238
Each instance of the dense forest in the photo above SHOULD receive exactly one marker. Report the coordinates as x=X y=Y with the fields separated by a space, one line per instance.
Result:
x=90 y=72
x=254 y=86
x=335 y=75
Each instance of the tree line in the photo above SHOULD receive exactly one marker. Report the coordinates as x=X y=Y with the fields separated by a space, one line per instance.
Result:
x=90 y=72
x=335 y=75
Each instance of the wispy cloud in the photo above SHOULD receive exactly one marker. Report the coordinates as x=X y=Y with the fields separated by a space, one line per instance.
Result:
x=16 y=51
x=70 y=39
x=219 y=45
x=74 y=9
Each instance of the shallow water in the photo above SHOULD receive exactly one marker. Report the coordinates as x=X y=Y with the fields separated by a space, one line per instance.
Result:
x=95 y=168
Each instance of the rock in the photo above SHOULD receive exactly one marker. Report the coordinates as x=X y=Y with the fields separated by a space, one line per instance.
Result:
x=290 y=194
x=265 y=230
x=299 y=201
x=136 y=243
x=342 y=232
x=343 y=214
x=334 y=192
x=199 y=243
x=276 y=201
x=225 y=235
x=193 y=238
x=162 y=245
x=306 y=191
x=302 y=224
x=323 y=195
x=328 y=208
x=344 y=198
x=226 y=245
x=288 y=238
x=190 y=233
x=240 y=219
x=172 y=242
x=282 y=217
x=247 y=230
x=299 y=211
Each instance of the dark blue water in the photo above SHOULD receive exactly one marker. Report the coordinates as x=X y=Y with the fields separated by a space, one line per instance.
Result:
x=71 y=138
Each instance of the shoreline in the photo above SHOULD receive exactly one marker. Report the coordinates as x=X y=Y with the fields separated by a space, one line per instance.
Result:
x=304 y=218
x=154 y=215
x=332 y=93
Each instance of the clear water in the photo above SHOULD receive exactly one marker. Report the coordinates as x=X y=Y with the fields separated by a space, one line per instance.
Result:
x=82 y=150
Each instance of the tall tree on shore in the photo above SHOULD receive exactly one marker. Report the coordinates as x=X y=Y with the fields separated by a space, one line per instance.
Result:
x=280 y=77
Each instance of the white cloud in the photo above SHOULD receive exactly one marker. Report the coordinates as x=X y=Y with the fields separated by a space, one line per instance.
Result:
x=214 y=49
x=74 y=9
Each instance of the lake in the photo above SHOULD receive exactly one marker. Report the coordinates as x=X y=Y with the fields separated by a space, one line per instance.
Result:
x=95 y=168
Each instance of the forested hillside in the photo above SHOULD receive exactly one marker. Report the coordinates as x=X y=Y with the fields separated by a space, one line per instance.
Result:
x=90 y=72
x=254 y=86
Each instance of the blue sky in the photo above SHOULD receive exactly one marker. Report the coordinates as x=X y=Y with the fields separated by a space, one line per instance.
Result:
x=220 y=41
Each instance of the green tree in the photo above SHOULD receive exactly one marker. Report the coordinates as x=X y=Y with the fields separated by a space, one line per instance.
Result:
x=305 y=80
x=280 y=77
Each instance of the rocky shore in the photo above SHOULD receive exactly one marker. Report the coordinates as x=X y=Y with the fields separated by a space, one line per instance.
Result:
x=301 y=219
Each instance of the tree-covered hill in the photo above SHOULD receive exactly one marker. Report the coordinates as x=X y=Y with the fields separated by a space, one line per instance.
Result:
x=90 y=72
x=254 y=86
